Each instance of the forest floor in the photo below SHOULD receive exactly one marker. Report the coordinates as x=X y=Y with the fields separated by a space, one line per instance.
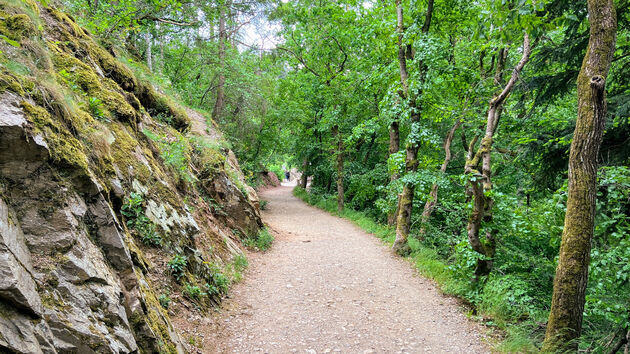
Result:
x=326 y=286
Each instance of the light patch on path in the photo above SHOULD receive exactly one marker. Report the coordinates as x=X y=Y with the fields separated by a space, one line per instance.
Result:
x=327 y=286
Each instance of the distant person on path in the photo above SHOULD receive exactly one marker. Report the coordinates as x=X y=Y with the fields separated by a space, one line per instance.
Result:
x=287 y=175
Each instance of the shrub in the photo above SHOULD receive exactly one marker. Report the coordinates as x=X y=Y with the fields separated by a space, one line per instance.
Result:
x=192 y=292
x=262 y=242
x=177 y=266
x=164 y=300
x=133 y=211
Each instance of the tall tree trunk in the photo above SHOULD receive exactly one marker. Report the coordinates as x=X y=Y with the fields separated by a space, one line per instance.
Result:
x=394 y=146
x=149 y=53
x=304 y=174
x=339 y=164
x=480 y=183
x=219 y=104
x=567 y=306
x=394 y=128
x=433 y=195
x=405 y=203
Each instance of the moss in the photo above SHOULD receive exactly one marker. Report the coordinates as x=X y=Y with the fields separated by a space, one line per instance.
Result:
x=112 y=67
x=50 y=301
x=32 y=5
x=79 y=41
x=17 y=26
x=158 y=104
x=156 y=318
x=11 y=83
x=77 y=31
x=64 y=147
x=121 y=151
x=88 y=81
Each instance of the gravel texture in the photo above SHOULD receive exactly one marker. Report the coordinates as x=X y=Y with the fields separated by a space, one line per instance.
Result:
x=326 y=286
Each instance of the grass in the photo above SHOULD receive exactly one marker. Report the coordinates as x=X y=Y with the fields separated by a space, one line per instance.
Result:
x=262 y=242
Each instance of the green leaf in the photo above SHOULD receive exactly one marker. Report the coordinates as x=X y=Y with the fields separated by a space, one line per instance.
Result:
x=10 y=41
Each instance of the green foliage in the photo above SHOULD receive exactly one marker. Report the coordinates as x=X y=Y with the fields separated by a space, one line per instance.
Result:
x=336 y=65
x=175 y=150
x=165 y=300
x=193 y=292
x=262 y=242
x=134 y=212
x=177 y=266
x=96 y=108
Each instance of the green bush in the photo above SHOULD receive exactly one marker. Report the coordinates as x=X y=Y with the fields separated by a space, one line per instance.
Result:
x=262 y=242
x=164 y=300
x=177 y=266
x=133 y=211
x=193 y=292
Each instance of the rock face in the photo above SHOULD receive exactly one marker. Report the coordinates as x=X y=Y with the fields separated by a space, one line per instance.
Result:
x=93 y=207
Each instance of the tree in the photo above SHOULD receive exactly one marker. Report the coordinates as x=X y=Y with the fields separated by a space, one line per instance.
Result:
x=405 y=204
x=479 y=168
x=567 y=306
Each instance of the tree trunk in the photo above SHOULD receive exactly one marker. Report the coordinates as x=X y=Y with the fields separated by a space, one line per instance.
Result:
x=433 y=195
x=567 y=306
x=219 y=104
x=394 y=129
x=405 y=203
x=148 y=53
x=394 y=146
x=304 y=175
x=339 y=165
x=480 y=183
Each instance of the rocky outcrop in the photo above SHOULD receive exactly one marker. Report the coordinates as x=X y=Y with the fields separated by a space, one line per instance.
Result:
x=97 y=198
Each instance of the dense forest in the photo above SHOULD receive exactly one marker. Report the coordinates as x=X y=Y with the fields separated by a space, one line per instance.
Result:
x=488 y=141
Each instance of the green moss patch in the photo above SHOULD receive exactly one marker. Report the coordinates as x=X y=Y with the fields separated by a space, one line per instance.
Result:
x=158 y=104
x=64 y=147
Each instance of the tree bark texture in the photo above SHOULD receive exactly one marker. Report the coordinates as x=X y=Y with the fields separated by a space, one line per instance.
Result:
x=394 y=146
x=304 y=177
x=339 y=164
x=405 y=203
x=479 y=168
x=567 y=306
x=394 y=129
x=149 y=52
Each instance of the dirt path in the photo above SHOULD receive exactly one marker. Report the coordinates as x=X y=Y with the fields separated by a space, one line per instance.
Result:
x=327 y=286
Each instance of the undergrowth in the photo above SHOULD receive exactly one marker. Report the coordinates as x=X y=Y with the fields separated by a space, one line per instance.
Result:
x=261 y=242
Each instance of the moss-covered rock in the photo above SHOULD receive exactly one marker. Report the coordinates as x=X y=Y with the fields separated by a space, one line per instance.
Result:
x=16 y=27
x=89 y=115
x=65 y=148
x=158 y=104
x=11 y=83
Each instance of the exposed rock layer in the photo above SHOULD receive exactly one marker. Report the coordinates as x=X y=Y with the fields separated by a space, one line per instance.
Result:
x=78 y=139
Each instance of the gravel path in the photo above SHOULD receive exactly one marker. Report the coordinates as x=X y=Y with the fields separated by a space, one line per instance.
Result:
x=326 y=286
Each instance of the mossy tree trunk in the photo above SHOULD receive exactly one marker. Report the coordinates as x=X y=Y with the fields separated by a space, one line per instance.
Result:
x=339 y=165
x=304 y=177
x=394 y=146
x=567 y=306
x=479 y=169
x=394 y=128
x=405 y=203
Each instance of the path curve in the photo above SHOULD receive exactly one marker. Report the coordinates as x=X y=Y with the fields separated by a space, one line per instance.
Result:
x=327 y=286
